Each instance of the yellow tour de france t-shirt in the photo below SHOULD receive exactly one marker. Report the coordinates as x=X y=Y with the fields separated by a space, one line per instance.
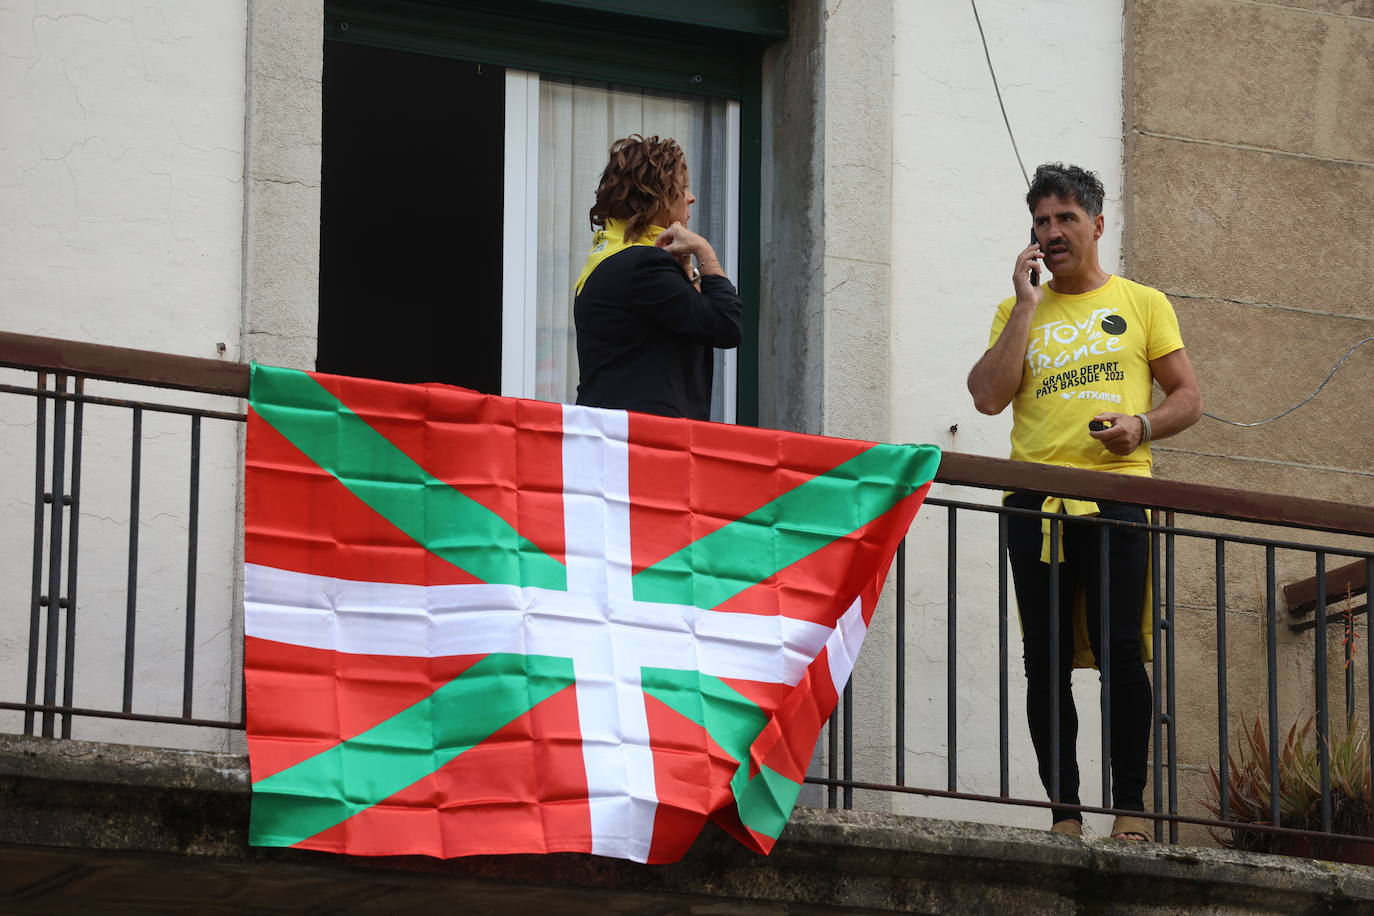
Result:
x=1087 y=354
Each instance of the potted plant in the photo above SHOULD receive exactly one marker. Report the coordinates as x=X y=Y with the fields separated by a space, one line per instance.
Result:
x=1248 y=794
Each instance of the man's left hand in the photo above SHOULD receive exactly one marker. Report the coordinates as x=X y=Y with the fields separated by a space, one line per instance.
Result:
x=1123 y=436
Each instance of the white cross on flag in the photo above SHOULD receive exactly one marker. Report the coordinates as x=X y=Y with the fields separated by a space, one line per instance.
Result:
x=485 y=625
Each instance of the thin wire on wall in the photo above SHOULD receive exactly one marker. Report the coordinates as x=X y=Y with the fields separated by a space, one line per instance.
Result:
x=1012 y=136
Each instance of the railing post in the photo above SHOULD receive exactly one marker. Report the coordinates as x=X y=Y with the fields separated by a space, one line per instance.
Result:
x=1003 y=750
x=1272 y=658
x=35 y=598
x=73 y=555
x=131 y=594
x=54 y=597
x=1223 y=751
x=1157 y=682
x=192 y=543
x=1055 y=699
x=952 y=652
x=1104 y=658
x=1369 y=655
x=1170 y=597
x=901 y=664
x=1320 y=676
x=832 y=738
x=849 y=743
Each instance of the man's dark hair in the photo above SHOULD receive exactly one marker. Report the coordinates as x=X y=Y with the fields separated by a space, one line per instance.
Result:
x=1055 y=179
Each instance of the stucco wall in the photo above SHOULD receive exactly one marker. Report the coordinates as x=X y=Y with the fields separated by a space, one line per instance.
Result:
x=121 y=222
x=958 y=220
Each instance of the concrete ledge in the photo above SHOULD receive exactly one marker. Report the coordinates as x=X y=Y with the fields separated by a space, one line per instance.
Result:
x=114 y=829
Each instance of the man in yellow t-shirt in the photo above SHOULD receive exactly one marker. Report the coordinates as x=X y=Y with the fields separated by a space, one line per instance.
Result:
x=1077 y=361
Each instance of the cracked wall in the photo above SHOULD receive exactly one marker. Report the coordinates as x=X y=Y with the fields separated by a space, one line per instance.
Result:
x=121 y=222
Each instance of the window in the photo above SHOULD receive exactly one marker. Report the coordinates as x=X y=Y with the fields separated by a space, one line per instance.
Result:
x=462 y=145
x=557 y=133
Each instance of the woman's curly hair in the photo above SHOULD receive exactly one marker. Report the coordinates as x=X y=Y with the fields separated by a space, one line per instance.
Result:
x=644 y=175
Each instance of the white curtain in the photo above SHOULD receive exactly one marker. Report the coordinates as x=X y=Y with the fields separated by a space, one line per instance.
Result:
x=578 y=120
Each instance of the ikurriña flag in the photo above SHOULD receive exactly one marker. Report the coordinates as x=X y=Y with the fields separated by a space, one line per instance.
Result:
x=478 y=624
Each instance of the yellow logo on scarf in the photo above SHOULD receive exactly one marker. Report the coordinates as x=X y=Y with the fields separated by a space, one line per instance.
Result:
x=609 y=241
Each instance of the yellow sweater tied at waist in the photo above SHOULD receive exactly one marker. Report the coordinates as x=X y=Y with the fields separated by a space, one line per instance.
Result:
x=1082 y=645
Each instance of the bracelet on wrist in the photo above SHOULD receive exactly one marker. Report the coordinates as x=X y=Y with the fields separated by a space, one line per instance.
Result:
x=1146 y=433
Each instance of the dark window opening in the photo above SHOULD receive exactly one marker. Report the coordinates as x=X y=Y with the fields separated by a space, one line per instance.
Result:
x=411 y=217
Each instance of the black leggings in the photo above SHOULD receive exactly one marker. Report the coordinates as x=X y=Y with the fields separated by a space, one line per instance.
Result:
x=1130 y=694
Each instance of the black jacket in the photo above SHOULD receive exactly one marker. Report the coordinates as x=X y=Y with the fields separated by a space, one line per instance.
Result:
x=644 y=334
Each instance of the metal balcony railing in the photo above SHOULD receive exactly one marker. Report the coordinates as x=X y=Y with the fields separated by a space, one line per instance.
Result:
x=1236 y=549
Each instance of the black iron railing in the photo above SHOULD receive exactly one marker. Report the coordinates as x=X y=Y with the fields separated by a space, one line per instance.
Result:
x=1215 y=517
x=1211 y=511
x=60 y=401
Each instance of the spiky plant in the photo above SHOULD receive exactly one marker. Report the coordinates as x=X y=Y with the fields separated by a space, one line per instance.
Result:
x=1248 y=786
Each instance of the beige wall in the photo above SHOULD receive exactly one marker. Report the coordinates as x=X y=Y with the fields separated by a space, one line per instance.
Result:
x=1250 y=202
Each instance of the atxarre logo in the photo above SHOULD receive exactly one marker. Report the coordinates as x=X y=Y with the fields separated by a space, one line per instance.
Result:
x=1059 y=343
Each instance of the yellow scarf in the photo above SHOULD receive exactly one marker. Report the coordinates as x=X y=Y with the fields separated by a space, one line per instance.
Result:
x=609 y=241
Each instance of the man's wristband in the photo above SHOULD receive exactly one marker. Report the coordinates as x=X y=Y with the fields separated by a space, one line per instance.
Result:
x=1146 y=433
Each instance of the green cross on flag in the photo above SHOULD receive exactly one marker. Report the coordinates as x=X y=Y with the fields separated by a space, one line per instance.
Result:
x=478 y=624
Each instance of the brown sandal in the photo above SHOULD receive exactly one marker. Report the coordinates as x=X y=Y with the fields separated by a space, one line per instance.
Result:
x=1068 y=827
x=1132 y=829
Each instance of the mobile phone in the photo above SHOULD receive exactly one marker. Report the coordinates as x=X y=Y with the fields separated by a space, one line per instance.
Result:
x=1035 y=274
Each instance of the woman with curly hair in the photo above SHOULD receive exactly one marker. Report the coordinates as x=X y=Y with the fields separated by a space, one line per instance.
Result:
x=646 y=318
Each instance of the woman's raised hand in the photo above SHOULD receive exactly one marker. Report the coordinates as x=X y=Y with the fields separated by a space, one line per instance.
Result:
x=678 y=240
x=682 y=243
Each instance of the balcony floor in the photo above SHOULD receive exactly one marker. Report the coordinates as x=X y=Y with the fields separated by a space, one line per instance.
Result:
x=87 y=827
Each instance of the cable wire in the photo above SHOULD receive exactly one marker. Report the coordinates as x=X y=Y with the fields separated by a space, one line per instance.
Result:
x=996 y=88
x=1012 y=136
x=1328 y=378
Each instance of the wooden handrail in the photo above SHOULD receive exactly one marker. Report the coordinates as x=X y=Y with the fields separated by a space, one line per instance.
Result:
x=188 y=373
x=1188 y=498
x=123 y=364
x=1349 y=580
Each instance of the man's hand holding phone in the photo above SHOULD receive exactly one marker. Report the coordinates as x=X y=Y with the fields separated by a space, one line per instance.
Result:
x=1025 y=277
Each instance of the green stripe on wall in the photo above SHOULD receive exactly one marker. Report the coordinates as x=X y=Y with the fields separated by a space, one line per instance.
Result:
x=327 y=789
x=438 y=517
x=710 y=571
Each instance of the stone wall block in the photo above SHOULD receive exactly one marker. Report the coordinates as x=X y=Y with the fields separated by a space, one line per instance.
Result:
x=856 y=349
x=1355 y=487
x=1362 y=8
x=288 y=39
x=1195 y=563
x=286 y=130
x=282 y=205
x=1252 y=226
x=1253 y=363
x=1283 y=79
x=1195 y=684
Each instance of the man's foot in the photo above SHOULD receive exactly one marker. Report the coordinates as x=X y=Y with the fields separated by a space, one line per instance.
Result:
x=1132 y=829
x=1068 y=827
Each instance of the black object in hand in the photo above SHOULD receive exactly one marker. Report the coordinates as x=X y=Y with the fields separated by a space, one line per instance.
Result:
x=1098 y=425
x=1034 y=274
